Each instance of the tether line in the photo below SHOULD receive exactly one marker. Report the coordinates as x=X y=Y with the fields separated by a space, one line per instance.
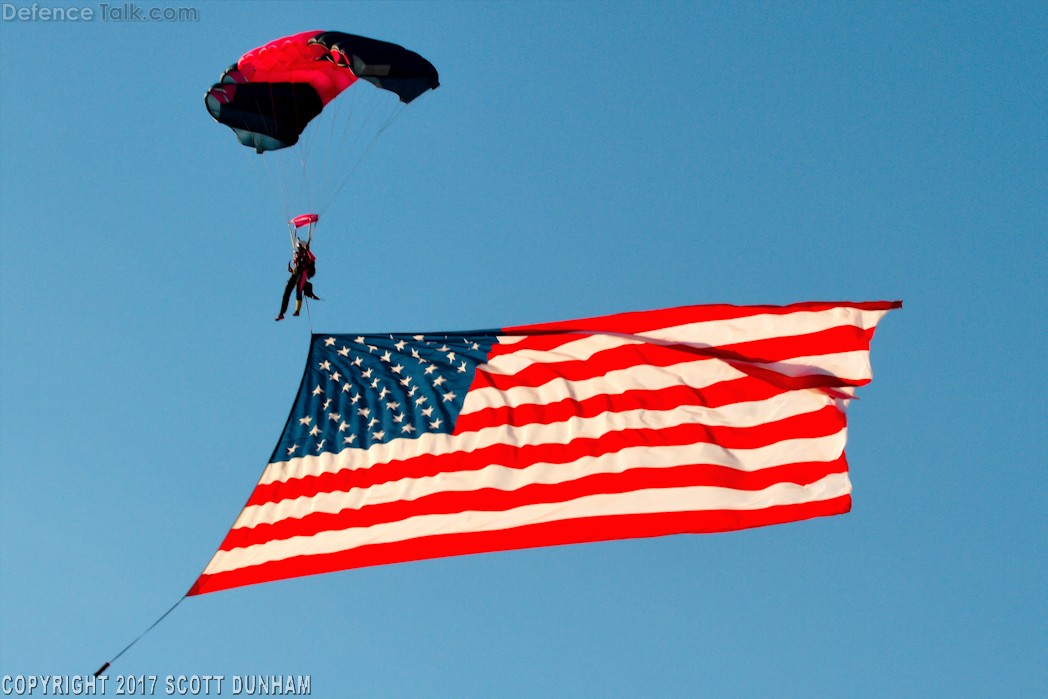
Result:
x=112 y=660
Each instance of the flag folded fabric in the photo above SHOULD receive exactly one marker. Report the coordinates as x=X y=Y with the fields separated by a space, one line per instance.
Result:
x=403 y=447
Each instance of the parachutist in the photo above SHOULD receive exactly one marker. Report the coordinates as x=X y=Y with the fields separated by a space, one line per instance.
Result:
x=302 y=269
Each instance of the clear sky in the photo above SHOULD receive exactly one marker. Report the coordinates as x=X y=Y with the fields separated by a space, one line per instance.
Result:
x=579 y=158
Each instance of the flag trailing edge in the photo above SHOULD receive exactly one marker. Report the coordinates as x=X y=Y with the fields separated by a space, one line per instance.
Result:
x=695 y=419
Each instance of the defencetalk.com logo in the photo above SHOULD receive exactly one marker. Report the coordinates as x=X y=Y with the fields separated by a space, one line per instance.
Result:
x=105 y=12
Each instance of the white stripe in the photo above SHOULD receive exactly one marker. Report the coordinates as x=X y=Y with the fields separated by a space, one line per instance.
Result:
x=711 y=333
x=499 y=477
x=854 y=366
x=746 y=414
x=693 y=499
x=697 y=374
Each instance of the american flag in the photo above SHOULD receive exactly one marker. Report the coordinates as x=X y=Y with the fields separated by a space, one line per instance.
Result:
x=402 y=447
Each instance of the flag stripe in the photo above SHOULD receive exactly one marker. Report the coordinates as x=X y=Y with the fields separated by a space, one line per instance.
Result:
x=512 y=476
x=437 y=452
x=720 y=444
x=336 y=514
x=576 y=531
x=649 y=501
x=591 y=356
x=641 y=321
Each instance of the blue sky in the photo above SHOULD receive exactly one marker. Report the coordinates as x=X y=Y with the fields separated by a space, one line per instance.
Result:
x=578 y=159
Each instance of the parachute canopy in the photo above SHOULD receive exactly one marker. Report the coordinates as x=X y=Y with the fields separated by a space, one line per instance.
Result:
x=270 y=95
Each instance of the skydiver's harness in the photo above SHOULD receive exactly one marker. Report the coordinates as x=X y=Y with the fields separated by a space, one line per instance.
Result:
x=307 y=221
x=303 y=264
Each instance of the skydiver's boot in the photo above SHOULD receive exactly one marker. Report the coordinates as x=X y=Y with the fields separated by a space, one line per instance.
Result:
x=298 y=306
x=279 y=317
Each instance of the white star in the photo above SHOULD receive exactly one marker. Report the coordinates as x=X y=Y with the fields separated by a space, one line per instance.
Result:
x=372 y=422
x=325 y=365
x=359 y=338
x=364 y=412
x=409 y=428
x=405 y=381
x=355 y=399
x=291 y=449
x=367 y=374
x=428 y=411
x=327 y=403
x=343 y=427
x=450 y=395
x=334 y=417
x=418 y=338
x=393 y=405
x=329 y=342
x=315 y=431
x=430 y=369
x=344 y=351
x=374 y=384
x=387 y=356
x=350 y=439
x=439 y=380
x=318 y=390
x=372 y=348
x=320 y=445
x=412 y=392
x=443 y=348
x=451 y=356
x=357 y=361
x=435 y=424
x=462 y=368
x=400 y=346
x=378 y=435
x=398 y=419
x=474 y=346
x=336 y=377
x=305 y=420
x=397 y=369
x=415 y=354
x=421 y=400
x=345 y=387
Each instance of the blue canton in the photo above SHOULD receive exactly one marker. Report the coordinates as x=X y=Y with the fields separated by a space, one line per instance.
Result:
x=362 y=390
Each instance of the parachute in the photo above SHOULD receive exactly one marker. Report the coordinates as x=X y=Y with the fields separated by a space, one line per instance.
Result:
x=276 y=96
x=271 y=94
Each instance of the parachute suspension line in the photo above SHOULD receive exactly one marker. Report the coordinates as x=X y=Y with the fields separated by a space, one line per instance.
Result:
x=363 y=106
x=112 y=660
x=305 y=189
x=303 y=148
x=356 y=124
x=367 y=149
x=280 y=180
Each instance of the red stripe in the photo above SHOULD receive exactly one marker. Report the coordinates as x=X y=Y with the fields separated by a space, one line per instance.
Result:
x=494 y=500
x=741 y=390
x=832 y=341
x=575 y=531
x=641 y=321
x=821 y=423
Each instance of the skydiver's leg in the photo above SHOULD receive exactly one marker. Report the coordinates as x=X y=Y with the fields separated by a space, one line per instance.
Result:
x=298 y=294
x=287 y=297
